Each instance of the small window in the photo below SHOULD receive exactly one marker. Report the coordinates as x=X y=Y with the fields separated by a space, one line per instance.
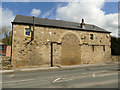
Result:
x=91 y=36
x=93 y=48
x=104 y=48
x=27 y=31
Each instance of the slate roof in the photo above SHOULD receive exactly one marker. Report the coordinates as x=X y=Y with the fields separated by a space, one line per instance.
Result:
x=20 y=19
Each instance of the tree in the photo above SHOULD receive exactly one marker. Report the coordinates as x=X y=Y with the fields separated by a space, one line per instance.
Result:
x=7 y=39
x=115 y=45
x=7 y=35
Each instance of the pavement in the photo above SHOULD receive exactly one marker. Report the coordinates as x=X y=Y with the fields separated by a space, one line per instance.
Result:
x=55 y=67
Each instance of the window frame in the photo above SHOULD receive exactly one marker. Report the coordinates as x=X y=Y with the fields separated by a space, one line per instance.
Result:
x=29 y=32
x=92 y=36
x=104 y=48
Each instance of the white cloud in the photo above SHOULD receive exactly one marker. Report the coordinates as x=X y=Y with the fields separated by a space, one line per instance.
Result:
x=48 y=13
x=6 y=16
x=35 y=12
x=91 y=12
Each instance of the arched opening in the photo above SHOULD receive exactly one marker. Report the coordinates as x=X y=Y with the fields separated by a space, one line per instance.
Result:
x=71 y=50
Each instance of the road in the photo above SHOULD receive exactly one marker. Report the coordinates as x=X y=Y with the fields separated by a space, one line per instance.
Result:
x=105 y=76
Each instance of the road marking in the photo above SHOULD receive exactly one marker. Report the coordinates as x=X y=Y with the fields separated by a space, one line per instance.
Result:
x=56 y=80
x=105 y=75
x=64 y=80
x=93 y=74
x=18 y=81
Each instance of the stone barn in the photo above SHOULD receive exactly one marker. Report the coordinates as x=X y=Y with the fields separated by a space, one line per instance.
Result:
x=39 y=42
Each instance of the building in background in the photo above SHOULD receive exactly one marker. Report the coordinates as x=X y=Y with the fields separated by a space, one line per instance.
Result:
x=5 y=50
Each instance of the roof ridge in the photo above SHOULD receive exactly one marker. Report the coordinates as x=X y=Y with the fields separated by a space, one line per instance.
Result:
x=48 y=19
x=58 y=23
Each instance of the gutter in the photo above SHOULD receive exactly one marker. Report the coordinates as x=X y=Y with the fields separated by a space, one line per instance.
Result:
x=33 y=27
x=89 y=30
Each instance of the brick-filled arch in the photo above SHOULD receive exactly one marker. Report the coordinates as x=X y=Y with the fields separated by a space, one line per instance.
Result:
x=71 y=50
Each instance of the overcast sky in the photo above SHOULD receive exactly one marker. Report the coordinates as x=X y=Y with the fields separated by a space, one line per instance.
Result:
x=103 y=14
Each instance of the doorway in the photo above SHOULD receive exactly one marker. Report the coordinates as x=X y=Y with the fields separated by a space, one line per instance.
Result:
x=71 y=50
x=55 y=54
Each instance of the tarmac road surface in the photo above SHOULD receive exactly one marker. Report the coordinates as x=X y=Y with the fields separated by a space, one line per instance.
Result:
x=105 y=76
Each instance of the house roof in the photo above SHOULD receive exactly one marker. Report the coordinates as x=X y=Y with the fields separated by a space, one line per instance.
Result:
x=20 y=19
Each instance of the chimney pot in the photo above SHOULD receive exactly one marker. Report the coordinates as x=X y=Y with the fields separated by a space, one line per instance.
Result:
x=82 y=21
x=82 y=24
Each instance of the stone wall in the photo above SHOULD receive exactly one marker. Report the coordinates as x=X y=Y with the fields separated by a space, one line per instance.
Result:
x=37 y=53
x=5 y=63
x=115 y=58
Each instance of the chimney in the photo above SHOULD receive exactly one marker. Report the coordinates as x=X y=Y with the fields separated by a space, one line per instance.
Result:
x=82 y=24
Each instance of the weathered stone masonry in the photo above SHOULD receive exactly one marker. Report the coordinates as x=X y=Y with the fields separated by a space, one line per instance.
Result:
x=62 y=46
